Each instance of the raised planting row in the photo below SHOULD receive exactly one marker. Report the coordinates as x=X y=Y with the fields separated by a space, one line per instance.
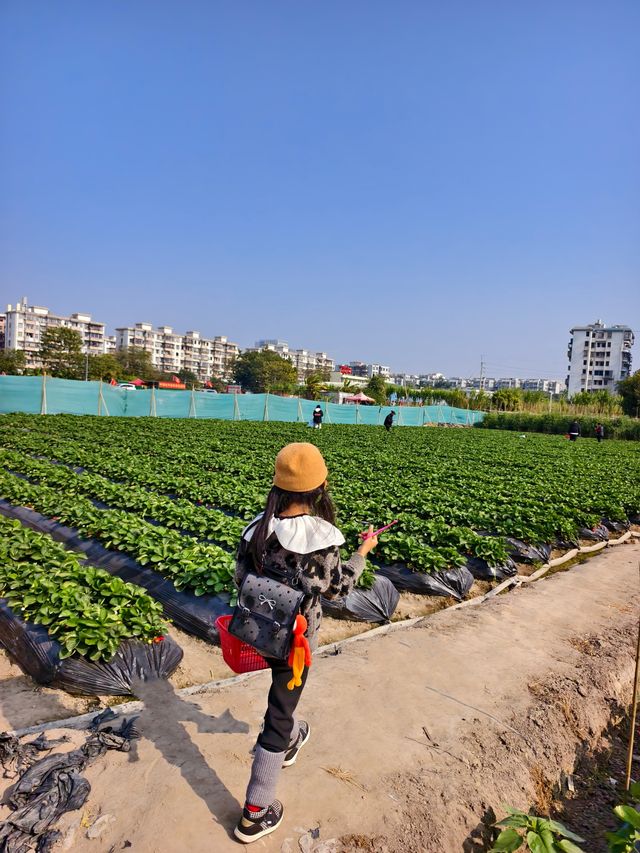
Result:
x=422 y=545
x=458 y=493
x=189 y=564
x=201 y=521
x=87 y=610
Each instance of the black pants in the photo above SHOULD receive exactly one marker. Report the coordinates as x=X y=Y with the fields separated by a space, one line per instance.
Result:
x=282 y=703
x=573 y=436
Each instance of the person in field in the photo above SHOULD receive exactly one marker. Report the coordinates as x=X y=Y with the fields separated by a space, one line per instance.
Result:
x=388 y=421
x=318 y=414
x=294 y=540
x=599 y=431
x=574 y=431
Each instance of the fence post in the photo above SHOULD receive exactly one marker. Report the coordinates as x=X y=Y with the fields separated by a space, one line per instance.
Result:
x=192 y=403
x=236 y=408
x=357 y=413
x=265 y=414
x=152 y=404
x=400 y=416
x=43 y=395
x=102 y=402
x=100 y=397
x=299 y=410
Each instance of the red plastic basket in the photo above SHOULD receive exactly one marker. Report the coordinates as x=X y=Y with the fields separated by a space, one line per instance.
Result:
x=239 y=656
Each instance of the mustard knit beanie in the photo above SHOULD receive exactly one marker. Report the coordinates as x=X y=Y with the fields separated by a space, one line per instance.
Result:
x=300 y=468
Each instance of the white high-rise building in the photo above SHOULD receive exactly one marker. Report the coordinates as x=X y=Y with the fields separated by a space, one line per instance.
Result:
x=172 y=352
x=25 y=325
x=599 y=357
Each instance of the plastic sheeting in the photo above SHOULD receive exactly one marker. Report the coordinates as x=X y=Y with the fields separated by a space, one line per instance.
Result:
x=377 y=604
x=524 y=553
x=599 y=533
x=49 y=787
x=46 y=395
x=455 y=582
x=38 y=655
x=482 y=571
x=195 y=614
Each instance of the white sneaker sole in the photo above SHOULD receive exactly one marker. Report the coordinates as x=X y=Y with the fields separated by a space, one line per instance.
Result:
x=295 y=754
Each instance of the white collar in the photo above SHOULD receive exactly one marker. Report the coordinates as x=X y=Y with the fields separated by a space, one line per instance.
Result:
x=301 y=534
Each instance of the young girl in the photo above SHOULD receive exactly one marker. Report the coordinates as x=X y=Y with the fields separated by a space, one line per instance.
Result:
x=295 y=535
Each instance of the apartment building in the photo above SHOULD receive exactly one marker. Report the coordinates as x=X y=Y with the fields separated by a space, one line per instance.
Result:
x=599 y=357
x=361 y=368
x=305 y=361
x=3 y=325
x=549 y=386
x=25 y=324
x=172 y=352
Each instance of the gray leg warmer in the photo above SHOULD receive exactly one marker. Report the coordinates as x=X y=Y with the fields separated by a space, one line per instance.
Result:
x=265 y=771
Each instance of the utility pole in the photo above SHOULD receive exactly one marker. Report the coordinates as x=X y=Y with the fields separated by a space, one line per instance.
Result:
x=482 y=373
x=86 y=366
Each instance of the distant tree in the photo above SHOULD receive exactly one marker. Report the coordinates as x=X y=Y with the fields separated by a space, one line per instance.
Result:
x=629 y=390
x=61 y=352
x=313 y=386
x=264 y=371
x=217 y=384
x=104 y=367
x=135 y=363
x=12 y=361
x=479 y=400
x=189 y=378
x=600 y=401
x=349 y=386
x=376 y=387
x=507 y=399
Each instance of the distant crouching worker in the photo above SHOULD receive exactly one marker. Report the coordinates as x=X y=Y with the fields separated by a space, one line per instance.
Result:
x=599 y=431
x=574 y=431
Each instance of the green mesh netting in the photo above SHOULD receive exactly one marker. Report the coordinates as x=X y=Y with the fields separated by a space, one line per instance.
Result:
x=44 y=395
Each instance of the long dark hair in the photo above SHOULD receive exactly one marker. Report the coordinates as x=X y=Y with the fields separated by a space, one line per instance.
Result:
x=319 y=503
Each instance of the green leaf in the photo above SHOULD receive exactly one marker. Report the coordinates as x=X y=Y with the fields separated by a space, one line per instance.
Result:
x=519 y=820
x=629 y=815
x=568 y=846
x=561 y=829
x=508 y=841
x=535 y=842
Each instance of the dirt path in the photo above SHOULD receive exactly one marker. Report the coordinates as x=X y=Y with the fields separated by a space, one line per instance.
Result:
x=415 y=734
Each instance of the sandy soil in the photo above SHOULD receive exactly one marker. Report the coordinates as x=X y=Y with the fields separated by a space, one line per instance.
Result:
x=416 y=734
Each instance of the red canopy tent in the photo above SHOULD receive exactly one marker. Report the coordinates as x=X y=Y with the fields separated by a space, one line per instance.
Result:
x=137 y=382
x=360 y=397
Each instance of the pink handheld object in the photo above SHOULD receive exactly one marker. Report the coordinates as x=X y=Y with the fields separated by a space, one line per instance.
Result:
x=379 y=530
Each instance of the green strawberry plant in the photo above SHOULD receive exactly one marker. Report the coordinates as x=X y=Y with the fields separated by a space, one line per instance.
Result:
x=87 y=610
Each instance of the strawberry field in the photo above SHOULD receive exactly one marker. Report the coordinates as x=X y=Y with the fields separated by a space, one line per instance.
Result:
x=174 y=496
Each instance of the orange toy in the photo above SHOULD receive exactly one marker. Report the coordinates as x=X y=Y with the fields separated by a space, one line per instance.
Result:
x=300 y=654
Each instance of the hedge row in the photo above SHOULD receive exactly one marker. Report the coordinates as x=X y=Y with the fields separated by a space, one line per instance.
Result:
x=620 y=427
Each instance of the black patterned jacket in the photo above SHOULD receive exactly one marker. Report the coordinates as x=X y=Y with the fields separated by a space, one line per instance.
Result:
x=322 y=573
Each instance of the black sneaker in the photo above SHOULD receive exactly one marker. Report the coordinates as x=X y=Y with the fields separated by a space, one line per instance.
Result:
x=255 y=825
x=292 y=753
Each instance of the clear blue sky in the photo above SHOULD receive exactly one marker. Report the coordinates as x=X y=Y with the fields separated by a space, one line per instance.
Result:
x=414 y=183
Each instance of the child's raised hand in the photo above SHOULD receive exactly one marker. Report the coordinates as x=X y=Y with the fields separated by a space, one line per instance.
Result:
x=369 y=542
